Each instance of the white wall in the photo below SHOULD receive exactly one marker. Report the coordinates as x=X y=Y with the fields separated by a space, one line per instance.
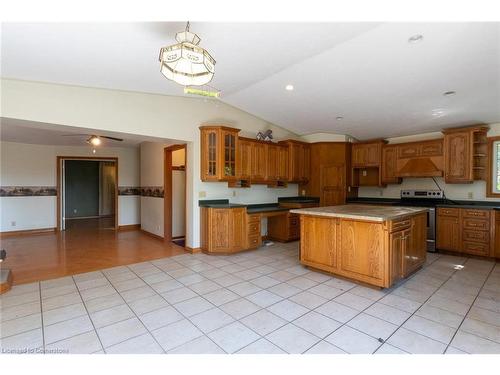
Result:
x=452 y=191
x=152 y=158
x=324 y=137
x=24 y=164
x=142 y=114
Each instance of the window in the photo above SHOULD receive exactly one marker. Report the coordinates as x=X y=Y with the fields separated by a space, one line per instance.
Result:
x=496 y=167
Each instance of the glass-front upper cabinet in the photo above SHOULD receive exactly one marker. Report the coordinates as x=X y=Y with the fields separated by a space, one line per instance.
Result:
x=218 y=153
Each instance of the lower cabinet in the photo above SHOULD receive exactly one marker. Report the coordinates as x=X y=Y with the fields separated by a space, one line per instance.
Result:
x=415 y=246
x=497 y=237
x=222 y=229
x=252 y=235
x=283 y=228
x=467 y=231
x=321 y=236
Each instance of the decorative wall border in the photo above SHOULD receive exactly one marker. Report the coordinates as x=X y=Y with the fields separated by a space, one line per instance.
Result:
x=28 y=191
x=51 y=191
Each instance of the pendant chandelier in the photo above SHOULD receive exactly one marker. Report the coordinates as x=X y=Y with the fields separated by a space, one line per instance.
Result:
x=185 y=62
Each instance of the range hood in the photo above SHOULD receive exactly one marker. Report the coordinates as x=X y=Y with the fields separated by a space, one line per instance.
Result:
x=419 y=167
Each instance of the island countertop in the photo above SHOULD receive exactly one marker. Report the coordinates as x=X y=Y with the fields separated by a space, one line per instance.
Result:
x=367 y=212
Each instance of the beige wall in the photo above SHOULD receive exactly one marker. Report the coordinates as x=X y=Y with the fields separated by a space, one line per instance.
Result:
x=23 y=164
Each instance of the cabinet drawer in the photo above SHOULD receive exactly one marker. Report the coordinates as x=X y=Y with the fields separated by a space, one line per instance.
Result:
x=448 y=212
x=294 y=221
x=253 y=228
x=476 y=236
x=254 y=241
x=253 y=218
x=476 y=248
x=483 y=214
x=399 y=225
x=476 y=224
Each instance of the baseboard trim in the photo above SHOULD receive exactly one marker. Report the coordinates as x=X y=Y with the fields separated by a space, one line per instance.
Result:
x=193 y=250
x=129 y=227
x=15 y=233
x=152 y=234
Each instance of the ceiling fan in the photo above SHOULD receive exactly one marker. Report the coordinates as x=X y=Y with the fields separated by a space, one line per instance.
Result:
x=94 y=140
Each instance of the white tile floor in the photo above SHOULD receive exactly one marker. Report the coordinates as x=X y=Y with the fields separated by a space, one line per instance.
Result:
x=261 y=301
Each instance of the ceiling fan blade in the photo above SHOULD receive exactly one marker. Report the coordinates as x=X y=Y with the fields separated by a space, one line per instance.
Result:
x=75 y=135
x=112 y=138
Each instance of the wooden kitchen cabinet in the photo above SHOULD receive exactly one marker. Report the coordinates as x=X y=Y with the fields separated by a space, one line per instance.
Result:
x=223 y=229
x=321 y=236
x=465 y=154
x=283 y=228
x=396 y=255
x=218 y=153
x=253 y=231
x=496 y=252
x=259 y=162
x=244 y=159
x=299 y=155
x=282 y=163
x=366 y=162
x=389 y=165
x=272 y=158
x=448 y=236
x=415 y=248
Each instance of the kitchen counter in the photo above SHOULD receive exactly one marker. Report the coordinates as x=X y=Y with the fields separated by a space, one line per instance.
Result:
x=364 y=212
x=219 y=203
x=482 y=205
x=265 y=207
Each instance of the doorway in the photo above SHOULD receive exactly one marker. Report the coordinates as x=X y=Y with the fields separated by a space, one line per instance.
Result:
x=175 y=194
x=87 y=193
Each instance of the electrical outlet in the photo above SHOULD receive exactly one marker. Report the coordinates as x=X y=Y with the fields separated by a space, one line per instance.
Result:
x=470 y=195
x=234 y=193
x=381 y=192
x=202 y=194
x=74 y=210
x=303 y=192
x=365 y=173
x=13 y=223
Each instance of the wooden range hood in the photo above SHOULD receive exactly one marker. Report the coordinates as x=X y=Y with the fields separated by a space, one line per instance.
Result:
x=420 y=167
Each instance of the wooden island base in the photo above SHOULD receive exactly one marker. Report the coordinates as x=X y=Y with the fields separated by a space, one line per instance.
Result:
x=375 y=253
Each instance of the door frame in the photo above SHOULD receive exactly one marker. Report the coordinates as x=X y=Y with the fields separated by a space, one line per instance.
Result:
x=60 y=159
x=167 y=190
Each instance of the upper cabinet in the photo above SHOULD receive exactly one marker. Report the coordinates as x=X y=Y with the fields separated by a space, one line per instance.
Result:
x=389 y=165
x=420 y=159
x=465 y=154
x=366 y=162
x=299 y=155
x=218 y=151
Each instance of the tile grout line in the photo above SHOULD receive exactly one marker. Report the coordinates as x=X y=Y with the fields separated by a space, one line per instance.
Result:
x=41 y=316
x=412 y=314
x=470 y=307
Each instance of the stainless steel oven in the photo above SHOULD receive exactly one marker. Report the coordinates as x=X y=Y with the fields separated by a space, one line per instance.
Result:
x=428 y=199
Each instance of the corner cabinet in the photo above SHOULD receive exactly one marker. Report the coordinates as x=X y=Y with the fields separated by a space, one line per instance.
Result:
x=465 y=154
x=218 y=153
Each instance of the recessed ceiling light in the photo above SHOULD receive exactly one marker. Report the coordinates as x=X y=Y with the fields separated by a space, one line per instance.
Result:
x=449 y=93
x=289 y=87
x=415 y=38
x=338 y=118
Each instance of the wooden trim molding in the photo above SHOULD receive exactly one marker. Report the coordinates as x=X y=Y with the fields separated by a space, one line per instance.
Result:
x=152 y=234
x=129 y=227
x=167 y=187
x=26 y=232
x=193 y=250
x=489 y=186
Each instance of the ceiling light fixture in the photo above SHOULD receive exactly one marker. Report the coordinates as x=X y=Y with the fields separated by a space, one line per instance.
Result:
x=94 y=140
x=339 y=118
x=185 y=62
x=289 y=87
x=415 y=38
x=449 y=93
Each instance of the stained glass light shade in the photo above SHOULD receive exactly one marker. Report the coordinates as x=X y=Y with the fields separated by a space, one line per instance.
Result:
x=185 y=62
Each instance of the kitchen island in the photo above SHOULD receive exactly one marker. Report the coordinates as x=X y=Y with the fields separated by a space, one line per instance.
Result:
x=376 y=245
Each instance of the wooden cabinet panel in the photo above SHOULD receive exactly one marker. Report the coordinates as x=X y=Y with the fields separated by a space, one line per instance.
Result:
x=448 y=231
x=476 y=214
x=458 y=158
x=366 y=154
x=453 y=212
x=358 y=155
x=321 y=236
x=415 y=249
x=332 y=183
x=476 y=248
x=298 y=161
x=396 y=251
x=282 y=163
x=362 y=248
x=223 y=230
x=272 y=162
x=496 y=252
x=432 y=148
x=259 y=161
x=220 y=228
x=284 y=227
x=244 y=159
x=389 y=165
x=411 y=150
x=476 y=236
x=475 y=224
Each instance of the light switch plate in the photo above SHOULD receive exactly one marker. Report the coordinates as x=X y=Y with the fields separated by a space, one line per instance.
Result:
x=202 y=194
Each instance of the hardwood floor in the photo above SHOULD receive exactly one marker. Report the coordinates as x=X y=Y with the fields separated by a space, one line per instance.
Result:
x=85 y=246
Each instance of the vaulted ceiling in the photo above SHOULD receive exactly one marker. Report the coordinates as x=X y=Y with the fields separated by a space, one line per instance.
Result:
x=367 y=73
